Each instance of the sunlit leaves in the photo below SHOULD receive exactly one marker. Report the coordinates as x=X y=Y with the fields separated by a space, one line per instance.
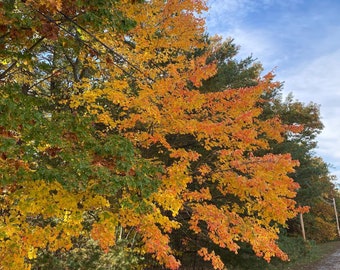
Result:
x=106 y=78
x=215 y=259
x=57 y=171
x=39 y=214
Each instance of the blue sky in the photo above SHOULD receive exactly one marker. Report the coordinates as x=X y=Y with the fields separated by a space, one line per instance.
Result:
x=300 y=40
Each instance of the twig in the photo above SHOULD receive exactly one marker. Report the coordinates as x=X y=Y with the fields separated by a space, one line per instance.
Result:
x=3 y=74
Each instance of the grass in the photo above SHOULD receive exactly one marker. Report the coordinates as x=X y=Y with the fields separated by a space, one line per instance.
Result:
x=303 y=255
x=317 y=253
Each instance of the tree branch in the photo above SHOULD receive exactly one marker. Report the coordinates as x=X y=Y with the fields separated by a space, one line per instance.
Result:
x=4 y=73
x=55 y=72
x=109 y=49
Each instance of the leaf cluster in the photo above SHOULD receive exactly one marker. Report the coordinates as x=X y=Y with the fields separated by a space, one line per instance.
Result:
x=120 y=131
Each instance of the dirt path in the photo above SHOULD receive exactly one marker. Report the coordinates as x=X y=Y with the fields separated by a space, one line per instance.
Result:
x=331 y=262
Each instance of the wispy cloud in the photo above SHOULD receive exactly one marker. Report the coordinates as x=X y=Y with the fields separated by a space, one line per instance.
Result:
x=301 y=39
x=319 y=80
x=233 y=13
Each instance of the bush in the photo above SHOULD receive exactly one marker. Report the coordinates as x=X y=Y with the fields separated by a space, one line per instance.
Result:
x=88 y=255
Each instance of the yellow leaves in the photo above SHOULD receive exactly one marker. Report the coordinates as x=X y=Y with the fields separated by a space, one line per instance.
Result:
x=5 y=61
x=273 y=128
x=169 y=200
x=201 y=195
x=60 y=237
x=93 y=201
x=169 y=195
x=184 y=155
x=106 y=119
x=115 y=94
x=42 y=148
x=35 y=202
x=75 y=102
x=49 y=200
x=164 y=222
x=263 y=242
x=128 y=217
x=32 y=253
x=90 y=95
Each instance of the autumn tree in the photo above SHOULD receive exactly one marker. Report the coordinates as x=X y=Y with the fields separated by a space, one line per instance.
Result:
x=316 y=183
x=52 y=157
x=96 y=99
x=316 y=187
x=223 y=122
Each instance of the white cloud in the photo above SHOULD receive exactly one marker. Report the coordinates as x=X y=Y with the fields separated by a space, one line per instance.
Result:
x=318 y=80
x=228 y=12
x=231 y=13
x=300 y=38
x=252 y=42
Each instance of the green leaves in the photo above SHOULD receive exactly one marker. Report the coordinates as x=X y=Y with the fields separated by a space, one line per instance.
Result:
x=100 y=15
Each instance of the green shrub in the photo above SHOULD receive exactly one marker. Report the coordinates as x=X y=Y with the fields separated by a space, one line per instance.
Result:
x=88 y=255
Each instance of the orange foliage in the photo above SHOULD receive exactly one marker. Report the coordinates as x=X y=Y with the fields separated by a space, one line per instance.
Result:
x=159 y=99
x=164 y=104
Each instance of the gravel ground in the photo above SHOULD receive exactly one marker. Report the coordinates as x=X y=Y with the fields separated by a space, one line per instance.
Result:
x=332 y=262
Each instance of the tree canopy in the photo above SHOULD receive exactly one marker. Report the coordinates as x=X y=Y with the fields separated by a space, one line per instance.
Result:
x=108 y=139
